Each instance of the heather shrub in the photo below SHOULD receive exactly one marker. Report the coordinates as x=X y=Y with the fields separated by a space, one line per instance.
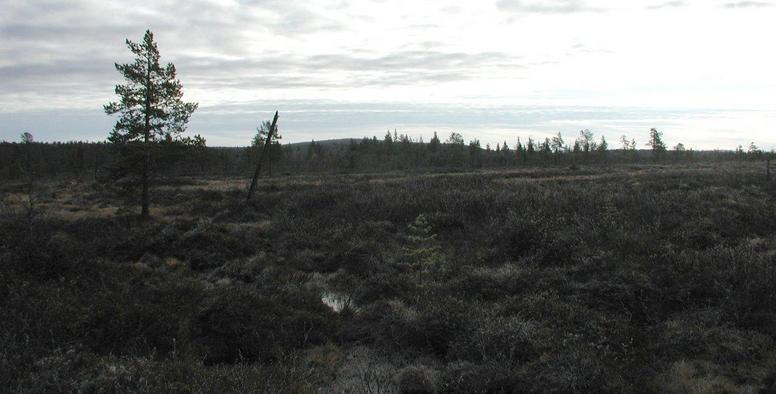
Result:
x=237 y=324
x=416 y=380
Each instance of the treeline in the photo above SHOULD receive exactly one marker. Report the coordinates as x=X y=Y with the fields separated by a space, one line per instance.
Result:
x=392 y=152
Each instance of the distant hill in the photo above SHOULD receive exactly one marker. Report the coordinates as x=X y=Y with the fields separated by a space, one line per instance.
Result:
x=332 y=142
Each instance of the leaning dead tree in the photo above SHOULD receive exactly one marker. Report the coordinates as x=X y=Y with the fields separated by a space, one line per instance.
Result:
x=264 y=151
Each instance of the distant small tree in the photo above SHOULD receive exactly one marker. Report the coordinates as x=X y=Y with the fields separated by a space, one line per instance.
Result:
x=506 y=154
x=27 y=138
x=199 y=146
x=388 y=140
x=434 y=144
x=557 y=143
x=740 y=152
x=456 y=150
x=754 y=151
x=314 y=151
x=577 y=147
x=198 y=141
x=150 y=106
x=520 y=151
x=625 y=143
x=546 y=149
x=262 y=133
x=585 y=141
x=656 y=143
x=628 y=147
x=603 y=146
x=455 y=139
x=680 y=152
x=475 y=153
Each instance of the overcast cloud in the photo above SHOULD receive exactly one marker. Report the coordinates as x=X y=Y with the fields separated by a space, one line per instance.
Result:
x=702 y=70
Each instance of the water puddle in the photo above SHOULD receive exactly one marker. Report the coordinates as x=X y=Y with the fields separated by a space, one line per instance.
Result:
x=336 y=301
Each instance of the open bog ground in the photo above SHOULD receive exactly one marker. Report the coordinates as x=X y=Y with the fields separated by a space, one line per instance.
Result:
x=628 y=278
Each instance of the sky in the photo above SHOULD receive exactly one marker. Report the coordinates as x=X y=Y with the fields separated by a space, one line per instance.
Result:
x=701 y=71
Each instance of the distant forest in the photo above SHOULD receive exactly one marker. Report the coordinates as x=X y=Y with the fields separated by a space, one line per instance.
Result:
x=392 y=152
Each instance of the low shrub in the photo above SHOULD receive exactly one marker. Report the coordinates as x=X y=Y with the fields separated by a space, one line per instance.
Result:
x=416 y=380
x=237 y=324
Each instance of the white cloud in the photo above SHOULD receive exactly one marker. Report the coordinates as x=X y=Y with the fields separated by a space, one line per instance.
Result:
x=545 y=6
x=671 y=53
x=748 y=4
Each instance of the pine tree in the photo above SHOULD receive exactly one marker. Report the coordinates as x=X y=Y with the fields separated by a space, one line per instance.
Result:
x=475 y=153
x=585 y=141
x=754 y=150
x=546 y=146
x=557 y=144
x=151 y=108
x=657 y=144
x=520 y=150
x=27 y=138
x=603 y=146
x=455 y=139
x=433 y=145
x=262 y=133
x=625 y=143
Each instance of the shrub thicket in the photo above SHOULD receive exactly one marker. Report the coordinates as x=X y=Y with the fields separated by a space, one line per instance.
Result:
x=655 y=280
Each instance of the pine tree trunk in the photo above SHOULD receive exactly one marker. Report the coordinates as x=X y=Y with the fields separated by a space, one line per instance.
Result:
x=261 y=158
x=144 y=199
x=144 y=213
